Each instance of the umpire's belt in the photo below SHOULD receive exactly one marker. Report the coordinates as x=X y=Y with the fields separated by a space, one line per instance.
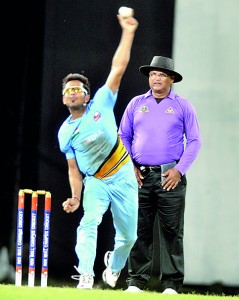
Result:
x=149 y=168
x=116 y=159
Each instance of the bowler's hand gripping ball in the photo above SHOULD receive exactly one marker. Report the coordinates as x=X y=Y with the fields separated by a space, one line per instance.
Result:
x=126 y=12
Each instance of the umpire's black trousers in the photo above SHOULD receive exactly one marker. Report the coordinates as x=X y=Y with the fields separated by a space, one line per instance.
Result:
x=168 y=207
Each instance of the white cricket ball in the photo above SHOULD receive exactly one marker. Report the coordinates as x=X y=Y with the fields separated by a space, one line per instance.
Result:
x=125 y=12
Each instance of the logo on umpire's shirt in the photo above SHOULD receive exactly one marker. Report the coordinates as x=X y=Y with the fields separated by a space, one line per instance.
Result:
x=169 y=111
x=144 y=109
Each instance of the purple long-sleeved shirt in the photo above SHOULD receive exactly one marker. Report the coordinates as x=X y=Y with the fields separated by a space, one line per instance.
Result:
x=159 y=133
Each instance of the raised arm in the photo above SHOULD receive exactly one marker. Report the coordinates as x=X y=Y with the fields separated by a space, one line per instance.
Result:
x=122 y=55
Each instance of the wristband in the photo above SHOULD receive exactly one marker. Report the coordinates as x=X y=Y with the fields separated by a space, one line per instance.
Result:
x=76 y=198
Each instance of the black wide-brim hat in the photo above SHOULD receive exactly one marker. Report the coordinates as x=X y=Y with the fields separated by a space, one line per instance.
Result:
x=161 y=63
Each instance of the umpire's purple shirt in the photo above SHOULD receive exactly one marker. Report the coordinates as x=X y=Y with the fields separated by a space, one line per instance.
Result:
x=158 y=133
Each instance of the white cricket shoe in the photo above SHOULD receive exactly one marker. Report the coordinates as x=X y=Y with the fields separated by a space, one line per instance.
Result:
x=85 y=281
x=107 y=258
x=133 y=289
x=169 y=291
x=108 y=276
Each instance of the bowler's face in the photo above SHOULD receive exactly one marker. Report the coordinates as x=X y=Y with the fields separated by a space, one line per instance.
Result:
x=74 y=94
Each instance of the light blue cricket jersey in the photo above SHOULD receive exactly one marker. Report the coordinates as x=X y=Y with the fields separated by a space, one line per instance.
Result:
x=91 y=138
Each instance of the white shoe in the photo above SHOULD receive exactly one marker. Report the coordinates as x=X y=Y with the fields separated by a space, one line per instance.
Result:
x=85 y=281
x=169 y=291
x=107 y=258
x=133 y=289
x=108 y=276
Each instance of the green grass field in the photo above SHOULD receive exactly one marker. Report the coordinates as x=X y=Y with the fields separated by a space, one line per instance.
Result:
x=12 y=292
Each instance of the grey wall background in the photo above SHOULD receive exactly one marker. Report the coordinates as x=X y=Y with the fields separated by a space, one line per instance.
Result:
x=205 y=50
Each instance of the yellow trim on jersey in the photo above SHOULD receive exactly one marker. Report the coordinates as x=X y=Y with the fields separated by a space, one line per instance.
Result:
x=119 y=157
